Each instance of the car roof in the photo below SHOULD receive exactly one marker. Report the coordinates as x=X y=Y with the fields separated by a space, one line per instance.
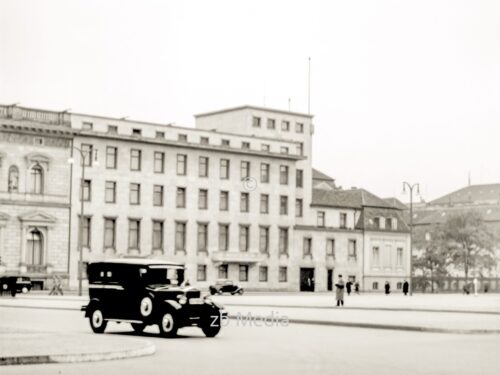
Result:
x=139 y=262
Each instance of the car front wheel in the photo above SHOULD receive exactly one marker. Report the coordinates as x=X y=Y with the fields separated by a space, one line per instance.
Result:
x=168 y=324
x=24 y=289
x=97 y=322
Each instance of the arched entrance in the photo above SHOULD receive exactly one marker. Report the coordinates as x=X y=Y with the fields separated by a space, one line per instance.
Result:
x=34 y=247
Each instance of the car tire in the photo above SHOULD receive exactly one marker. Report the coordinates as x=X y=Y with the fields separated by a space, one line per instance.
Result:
x=146 y=306
x=138 y=327
x=168 y=324
x=97 y=321
x=24 y=289
x=240 y=292
x=210 y=331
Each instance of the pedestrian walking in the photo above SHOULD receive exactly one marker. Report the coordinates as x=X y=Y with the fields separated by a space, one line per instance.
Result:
x=339 y=293
x=56 y=286
x=387 y=287
x=406 y=287
x=348 y=287
x=356 y=287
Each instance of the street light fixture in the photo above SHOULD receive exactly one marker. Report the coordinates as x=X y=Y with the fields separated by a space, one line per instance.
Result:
x=91 y=153
x=410 y=188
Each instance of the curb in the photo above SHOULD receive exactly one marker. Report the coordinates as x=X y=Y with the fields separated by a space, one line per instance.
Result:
x=148 y=349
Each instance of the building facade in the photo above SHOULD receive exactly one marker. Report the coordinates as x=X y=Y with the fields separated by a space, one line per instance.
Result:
x=235 y=197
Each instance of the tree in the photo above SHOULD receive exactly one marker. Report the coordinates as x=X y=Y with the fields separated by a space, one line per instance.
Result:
x=469 y=241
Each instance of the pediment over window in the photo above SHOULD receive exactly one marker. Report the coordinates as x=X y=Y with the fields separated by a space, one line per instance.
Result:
x=37 y=217
x=36 y=157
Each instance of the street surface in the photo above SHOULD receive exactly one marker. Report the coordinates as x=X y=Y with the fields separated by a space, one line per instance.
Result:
x=292 y=349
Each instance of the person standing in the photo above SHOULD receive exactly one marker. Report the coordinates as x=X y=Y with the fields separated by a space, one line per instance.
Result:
x=356 y=287
x=387 y=287
x=348 y=287
x=339 y=293
x=406 y=287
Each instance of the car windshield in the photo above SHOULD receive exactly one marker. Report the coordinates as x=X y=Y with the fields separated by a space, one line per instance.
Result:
x=162 y=275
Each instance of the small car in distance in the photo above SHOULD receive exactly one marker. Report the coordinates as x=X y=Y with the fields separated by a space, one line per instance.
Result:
x=146 y=292
x=225 y=286
x=15 y=284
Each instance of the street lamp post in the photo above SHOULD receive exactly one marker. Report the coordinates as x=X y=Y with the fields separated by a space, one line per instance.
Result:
x=83 y=156
x=410 y=188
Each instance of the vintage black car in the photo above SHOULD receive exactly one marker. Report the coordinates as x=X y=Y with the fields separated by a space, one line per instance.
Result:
x=15 y=284
x=146 y=292
x=225 y=286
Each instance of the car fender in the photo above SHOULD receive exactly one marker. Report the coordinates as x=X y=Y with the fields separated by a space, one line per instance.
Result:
x=176 y=305
x=93 y=302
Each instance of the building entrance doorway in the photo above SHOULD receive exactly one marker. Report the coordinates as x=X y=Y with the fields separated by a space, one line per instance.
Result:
x=307 y=279
x=329 y=280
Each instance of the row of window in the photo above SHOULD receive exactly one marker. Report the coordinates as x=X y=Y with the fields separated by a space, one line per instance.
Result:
x=376 y=257
x=399 y=285
x=35 y=183
x=203 y=165
x=321 y=219
x=271 y=124
x=352 y=255
x=134 y=236
x=222 y=273
x=385 y=223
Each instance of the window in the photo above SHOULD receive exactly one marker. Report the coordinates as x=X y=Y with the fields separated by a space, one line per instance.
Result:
x=38 y=141
x=111 y=157
x=87 y=126
x=86 y=231
x=86 y=193
x=180 y=199
x=245 y=145
x=299 y=127
x=135 y=193
x=263 y=273
x=283 y=175
x=225 y=142
x=343 y=220
x=394 y=224
x=307 y=249
x=181 y=164
x=182 y=137
x=298 y=207
x=157 y=235
x=112 y=129
x=265 y=147
x=160 y=135
x=244 y=202
x=180 y=236
x=399 y=257
x=109 y=233
x=283 y=274
x=264 y=203
x=157 y=195
x=159 y=164
x=283 y=205
x=271 y=123
x=321 y=218
x=244 y=237
x=224 y=169
x=399 y=285
x=284 y=150
x=202 y=237
x=330 y=247
x=245 y=169
x=264 y=239
x=223 y=237
x=375 y=285
x=283 y=241
x=299 y=178
x=256 y=122
x=36 y=175
x=243 y=272
x=134 y=227
x=224 y=201
x=201 y=273
x=264 y=172
x=203 y=199
x=135 y=160
x=136 y=132
x=376 y=222
x=204 y=140
x=285 y=125
x=87 y=151
x=300 y=149
x=376 y=256
x=351 y=251
x=203 y=166
x=110 y=193
x=223 y=271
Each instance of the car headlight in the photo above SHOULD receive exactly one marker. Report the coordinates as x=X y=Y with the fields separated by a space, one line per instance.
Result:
x=182 y=299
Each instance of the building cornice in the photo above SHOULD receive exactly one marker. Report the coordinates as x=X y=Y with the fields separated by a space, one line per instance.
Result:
x=264 y=109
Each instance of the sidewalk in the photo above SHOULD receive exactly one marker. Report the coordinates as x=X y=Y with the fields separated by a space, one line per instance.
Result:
x=18 y=348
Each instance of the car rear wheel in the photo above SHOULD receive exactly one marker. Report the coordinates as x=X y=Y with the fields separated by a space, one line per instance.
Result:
x=146 y=307
x=240 y=292
x=138 y=327
x=97 y=322
x=210 y=331
x=168 y=324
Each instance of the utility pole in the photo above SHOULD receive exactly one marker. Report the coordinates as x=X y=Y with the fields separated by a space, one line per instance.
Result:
x=410 y=188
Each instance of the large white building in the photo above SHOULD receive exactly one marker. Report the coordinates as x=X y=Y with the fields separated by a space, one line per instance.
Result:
x=235 y=197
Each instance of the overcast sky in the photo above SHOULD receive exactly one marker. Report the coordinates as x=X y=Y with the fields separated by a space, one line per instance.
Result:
x=400 y=90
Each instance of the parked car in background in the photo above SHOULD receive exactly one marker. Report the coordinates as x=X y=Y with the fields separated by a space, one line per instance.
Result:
x=225 y=286
x=146 y=292
x=15 y=284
